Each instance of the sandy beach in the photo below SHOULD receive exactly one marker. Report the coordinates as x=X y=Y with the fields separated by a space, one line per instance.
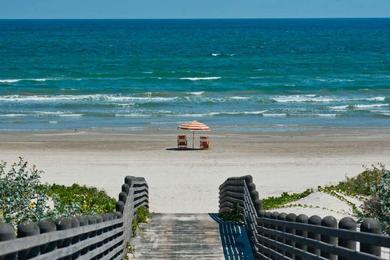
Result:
x=187 y=181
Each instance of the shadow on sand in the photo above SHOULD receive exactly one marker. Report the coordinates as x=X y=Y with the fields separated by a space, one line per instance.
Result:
x=184 y=149
x=234 y=239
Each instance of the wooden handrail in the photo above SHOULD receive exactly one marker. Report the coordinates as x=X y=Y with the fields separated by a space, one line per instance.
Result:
x=105 y=240
x=279 y=236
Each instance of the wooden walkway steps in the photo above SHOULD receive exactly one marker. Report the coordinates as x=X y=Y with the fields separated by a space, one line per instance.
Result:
x=189 y=236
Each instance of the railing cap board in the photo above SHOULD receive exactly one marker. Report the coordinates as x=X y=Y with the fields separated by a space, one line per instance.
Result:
x=99 y=218
x=125 y=188
x=46 y=226
x=27 y=229
x=129 y=180
x=7 y=232
x=329 y=221
x=63 y=223
x=118 y=215
x=370 y=225
x=315 y=220
x=274 y=215
x=83 y=220
x=120 y=206
x=347 y=223
x=282 y=216
x=122 y=197
x=302 y=218
x=74 y=222
x=106 y=217
x=291 y=217
x=232 y=183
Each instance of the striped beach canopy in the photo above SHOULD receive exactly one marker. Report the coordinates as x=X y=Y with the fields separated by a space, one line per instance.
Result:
x=194 y=126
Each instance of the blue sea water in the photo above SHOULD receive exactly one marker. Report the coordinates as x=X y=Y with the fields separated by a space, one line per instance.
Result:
x=259 y=75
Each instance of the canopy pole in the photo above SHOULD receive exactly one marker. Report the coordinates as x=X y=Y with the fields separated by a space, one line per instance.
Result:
x=193 y=139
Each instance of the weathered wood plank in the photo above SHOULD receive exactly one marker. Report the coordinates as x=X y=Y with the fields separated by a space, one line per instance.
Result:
x=179 y=236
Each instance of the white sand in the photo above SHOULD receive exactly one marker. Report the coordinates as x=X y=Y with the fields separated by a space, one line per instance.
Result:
x=321 y=204
x=187 y=181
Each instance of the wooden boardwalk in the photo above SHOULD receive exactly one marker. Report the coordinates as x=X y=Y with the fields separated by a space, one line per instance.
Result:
x=184 y=236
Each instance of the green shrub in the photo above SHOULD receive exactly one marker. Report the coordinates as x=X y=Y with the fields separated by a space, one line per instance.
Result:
x=363 y=184
x=20 y=200
x=141 y=216
x=283 y=199
x=378 y=205
x=23 y=198
x=88 y=199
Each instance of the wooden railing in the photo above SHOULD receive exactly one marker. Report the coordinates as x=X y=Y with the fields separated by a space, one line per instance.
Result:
x=103 y=236
x=276 y=235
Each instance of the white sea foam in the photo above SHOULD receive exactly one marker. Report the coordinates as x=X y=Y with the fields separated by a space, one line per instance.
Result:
x=239 y=98
x=315 y=98
x=339 y=108
x=302 y=98
x=196 y=93
x=376 y=99
x=236 y=113
x=72 y=98
x=13 y=115
x=191 y=115
x=71 y=115
x=221 y=113
x=200 y=78
x=275 y=115
x=385 y=113
x=357 y=107
x=131 y=115
x=335 y=80
x=327 y=115
x=215 y=54
x=55 y=113
x=7 y=81
x=42 y=114
x=363 y=107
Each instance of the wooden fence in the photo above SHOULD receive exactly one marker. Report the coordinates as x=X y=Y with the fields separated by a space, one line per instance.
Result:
x=103 y=236
x=276 y=235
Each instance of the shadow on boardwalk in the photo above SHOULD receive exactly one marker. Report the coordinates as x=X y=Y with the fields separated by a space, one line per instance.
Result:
x=234 y=239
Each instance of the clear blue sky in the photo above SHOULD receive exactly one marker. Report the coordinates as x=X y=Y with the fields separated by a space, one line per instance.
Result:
x=192 y=8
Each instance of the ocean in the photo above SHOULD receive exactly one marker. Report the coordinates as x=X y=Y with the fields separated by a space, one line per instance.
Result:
x=234 y=75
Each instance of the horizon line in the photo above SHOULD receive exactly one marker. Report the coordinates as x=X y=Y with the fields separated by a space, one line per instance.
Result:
x=234 y=18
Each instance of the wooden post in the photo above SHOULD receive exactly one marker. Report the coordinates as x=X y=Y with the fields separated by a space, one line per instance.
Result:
x=348 y=224
x=7 y=233
x=331 y=222
x=274 y=215
x=304 y=219
x=282 y=217
x=26 y=230
x=83 y=220
x=290 y=218
x=46 y=226
x=370 y=225
x=314 y=220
